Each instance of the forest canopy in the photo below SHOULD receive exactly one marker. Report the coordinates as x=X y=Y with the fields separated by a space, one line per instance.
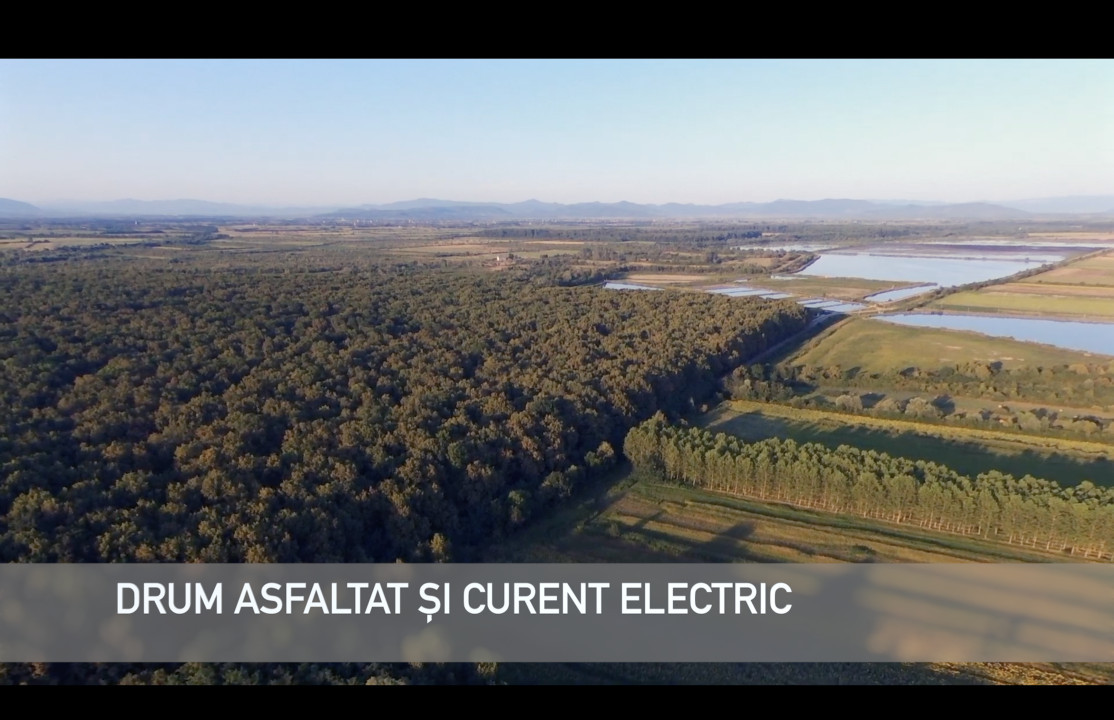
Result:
x=262 y=415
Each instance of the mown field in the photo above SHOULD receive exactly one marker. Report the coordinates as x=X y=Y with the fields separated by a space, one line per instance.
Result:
x=1080 y=290
x=836 y=288
x=876 y=346
x=1041 y=303
x=637 y=519
x=968 y=451
x=1096 y=271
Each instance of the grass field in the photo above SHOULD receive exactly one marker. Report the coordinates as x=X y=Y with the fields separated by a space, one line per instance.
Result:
x=836 y=288
x=966 y=450
x=640 y=520
x=1097 y=270
x=1042 y=303
x=877 y=346
x=1081 y=290
x=1056 y=289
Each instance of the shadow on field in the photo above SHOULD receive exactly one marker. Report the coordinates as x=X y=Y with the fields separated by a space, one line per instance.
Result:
x=791 y=345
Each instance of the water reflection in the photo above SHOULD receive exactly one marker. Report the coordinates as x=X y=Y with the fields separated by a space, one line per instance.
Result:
x=1088 y=337
x=946 y=272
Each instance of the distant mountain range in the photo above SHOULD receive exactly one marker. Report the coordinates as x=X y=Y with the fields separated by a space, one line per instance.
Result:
x=433 y=210
x=425 y=210
x=162 y=208
x=15 y=208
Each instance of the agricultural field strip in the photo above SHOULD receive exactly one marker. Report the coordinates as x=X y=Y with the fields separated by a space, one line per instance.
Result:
x=785 y=541
x=1080 y=448
x=1042 y=289
x=1038 y=304
x=1082 y=286
x=777 y=523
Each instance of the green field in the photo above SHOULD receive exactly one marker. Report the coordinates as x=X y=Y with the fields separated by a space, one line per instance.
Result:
x=1096 y=272
x=840 y=288
x=881 y=347
x=966 y=450
x=1043 y=305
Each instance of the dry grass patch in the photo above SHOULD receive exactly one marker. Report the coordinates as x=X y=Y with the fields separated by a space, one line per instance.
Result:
x=665 y=278
x=1050 y=289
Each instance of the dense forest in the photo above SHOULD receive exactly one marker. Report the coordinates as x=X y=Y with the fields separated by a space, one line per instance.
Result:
x=267 y=414
x=229 y=416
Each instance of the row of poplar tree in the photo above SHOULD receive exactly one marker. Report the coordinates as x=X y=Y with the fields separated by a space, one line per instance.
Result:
x=1028 y=511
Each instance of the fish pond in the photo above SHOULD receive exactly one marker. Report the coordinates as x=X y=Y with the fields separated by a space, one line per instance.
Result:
x=942 y=271
x=1087 y=337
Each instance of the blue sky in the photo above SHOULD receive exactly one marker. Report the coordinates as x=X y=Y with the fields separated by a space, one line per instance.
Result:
x=322 y=132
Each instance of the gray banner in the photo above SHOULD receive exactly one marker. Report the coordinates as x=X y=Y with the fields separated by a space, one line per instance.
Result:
x=557 y=613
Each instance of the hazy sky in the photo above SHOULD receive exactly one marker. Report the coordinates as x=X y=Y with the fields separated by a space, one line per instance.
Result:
x=650 y=131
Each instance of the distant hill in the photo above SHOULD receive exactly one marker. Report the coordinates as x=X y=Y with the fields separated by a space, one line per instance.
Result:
x=17 y=209
x=1071 y=204
x=822 y=208
x=961 y=211
x=537 y=210
x=174 y=208
x=432 y=213
x=439 y=210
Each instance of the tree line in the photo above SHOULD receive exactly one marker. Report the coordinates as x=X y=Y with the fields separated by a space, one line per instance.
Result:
x=1025 y=511
x=1074 y=384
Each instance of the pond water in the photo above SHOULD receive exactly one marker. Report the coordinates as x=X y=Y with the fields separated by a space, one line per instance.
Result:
x=1026 y=243
x=899 y=294
x=974 y=253
x=943 y=271
x=627 y=286
x=1088 y=337
x=791 y=246
x=751 y=292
